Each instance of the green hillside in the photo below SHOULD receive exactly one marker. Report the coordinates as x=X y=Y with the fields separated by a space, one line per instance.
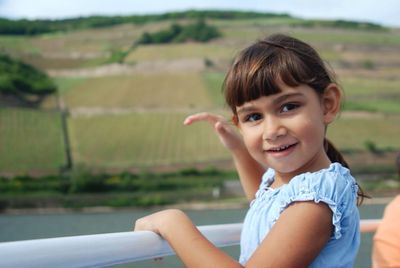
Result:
x=142 y=140
x=126 y=102
x=31 y=141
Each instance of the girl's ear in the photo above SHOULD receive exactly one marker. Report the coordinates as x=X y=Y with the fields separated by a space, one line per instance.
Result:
x=331 y=101
x=235 y=120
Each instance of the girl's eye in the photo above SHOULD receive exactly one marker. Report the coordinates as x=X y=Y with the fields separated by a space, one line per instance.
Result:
x=288 y=107
x=252 y=117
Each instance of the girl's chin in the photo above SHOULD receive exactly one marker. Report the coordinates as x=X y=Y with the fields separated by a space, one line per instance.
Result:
x=283 y=168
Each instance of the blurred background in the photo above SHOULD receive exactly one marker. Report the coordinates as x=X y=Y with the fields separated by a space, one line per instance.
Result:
x=93 y=95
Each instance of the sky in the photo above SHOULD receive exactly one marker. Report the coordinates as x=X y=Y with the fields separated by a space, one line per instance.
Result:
x=385 y=12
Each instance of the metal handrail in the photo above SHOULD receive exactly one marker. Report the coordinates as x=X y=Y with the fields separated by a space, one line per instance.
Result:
x=102 y=250
x=369 y=225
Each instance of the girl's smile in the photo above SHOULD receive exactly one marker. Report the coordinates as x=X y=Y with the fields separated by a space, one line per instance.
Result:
x=281 y=151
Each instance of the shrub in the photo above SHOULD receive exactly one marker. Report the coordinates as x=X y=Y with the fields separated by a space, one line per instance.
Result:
x=199 y=31
x=23 y=81
x=371 y=147
x=82 y=181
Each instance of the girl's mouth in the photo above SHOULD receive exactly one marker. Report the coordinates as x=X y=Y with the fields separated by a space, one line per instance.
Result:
x=281 y=148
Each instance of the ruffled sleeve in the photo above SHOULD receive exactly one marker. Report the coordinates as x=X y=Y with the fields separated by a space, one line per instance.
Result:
x=334 y=186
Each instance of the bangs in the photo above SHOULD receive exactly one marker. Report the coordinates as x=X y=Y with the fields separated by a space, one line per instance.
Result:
x=261 y=68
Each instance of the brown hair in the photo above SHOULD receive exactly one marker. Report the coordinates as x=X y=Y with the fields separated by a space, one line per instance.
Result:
x=259 y=68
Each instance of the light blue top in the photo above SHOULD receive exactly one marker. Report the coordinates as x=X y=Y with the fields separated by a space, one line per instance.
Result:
x=334 y=186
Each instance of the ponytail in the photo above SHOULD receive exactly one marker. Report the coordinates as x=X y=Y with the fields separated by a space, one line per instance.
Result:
x=335 y=156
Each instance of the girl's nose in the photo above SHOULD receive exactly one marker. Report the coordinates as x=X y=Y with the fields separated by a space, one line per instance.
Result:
x=273 y=129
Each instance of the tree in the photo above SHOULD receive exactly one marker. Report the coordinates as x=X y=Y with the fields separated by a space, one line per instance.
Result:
x=23 y=82
x=198 y=31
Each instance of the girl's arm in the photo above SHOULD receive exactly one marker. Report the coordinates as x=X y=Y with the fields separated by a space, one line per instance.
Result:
x=183 y=236
x=249 y=170
x=296 y=239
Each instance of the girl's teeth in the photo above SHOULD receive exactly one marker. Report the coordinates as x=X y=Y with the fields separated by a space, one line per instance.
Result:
x=280 y=148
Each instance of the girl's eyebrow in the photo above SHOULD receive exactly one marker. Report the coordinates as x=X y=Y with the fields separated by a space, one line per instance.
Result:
x=245 y=109
x=278 y=100
x=284 y=97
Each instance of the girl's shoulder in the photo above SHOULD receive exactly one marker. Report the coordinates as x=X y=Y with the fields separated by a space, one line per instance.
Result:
x=334 y=178
x=334 y=186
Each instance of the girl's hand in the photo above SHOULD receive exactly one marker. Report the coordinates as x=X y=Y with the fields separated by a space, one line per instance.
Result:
x=185 y=239
x=249 y=170
x=227 y=135
x=159 y=222
x=156 y=221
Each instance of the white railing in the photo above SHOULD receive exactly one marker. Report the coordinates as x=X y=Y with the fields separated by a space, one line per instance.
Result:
x=102 y=249
x=109 y=249
x=369 y=225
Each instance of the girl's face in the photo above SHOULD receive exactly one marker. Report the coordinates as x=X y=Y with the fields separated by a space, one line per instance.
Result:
x=285 y=131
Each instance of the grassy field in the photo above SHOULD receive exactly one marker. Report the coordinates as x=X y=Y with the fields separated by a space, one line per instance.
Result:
x=180 y=51
x=30 y=141
x=141 y=140
x=134 y=120
x=350 y=37
x=153 y=91
x=374 y=95
x=352 y=133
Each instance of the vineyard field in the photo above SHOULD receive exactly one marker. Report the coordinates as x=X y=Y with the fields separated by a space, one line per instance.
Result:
x=30 y=141
x=140 y=140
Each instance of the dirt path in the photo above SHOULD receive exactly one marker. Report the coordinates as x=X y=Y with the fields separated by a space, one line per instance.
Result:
x=195 y=65
x=95 y=111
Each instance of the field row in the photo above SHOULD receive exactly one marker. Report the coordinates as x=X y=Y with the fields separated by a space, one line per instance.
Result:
x=33 y=141
x=139 y=140
x=202 y=91
x=161 y=91
x=92 y=47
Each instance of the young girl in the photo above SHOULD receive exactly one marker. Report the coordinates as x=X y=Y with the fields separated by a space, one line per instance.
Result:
x=303 y=210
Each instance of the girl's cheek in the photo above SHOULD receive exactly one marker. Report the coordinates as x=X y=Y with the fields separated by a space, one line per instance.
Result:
x=252 y=141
